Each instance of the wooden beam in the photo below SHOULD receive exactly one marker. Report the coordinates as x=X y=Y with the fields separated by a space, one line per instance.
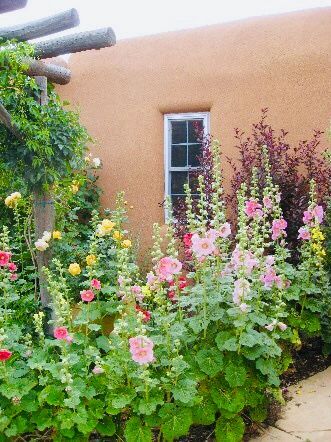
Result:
x=11 y=5
x=55 y=74
x=5 y=118
x=44 y=26
x=82 y=41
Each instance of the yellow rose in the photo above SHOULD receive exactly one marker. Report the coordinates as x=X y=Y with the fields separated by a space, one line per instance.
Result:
x=91 y=260
x=57 y=234
x=117 y=235
x=74 y=269
x=126 y=243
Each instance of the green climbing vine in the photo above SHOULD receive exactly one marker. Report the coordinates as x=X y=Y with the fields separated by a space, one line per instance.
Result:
x=53 y=141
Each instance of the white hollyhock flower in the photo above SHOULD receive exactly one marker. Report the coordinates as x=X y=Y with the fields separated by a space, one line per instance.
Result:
x=41 y=245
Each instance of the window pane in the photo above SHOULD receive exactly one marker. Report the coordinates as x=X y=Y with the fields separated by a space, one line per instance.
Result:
x=195 y=127
x=178 y=132
x=178 y=156
x=178 y=179
x=194 y=150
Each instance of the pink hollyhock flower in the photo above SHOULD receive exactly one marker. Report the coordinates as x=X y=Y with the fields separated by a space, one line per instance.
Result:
x=143 y=356
x=4 y=258
x=268 y=278
x=267 y=202
x=87 y=295
x=253 y=208
x=13 y=277
x=241 y=288
x=140 y=342
x=243 y=260
x=224 y=230
x=270 y=260
x=61 y=333
x=172 y=295
x=151 y=279
x=202 y=247
x=98 y=370
x=187 y=239
x=277 y=198
x=12 y=267
x=278 y=228
x=282 y=326
x=96 y=284
x=146 y=314
x=304 y=233
x=120 y=281
x=307 y=217
x=318 y=213
x=212 y=234
x=136 y=291
x=5 y=354
x=167 y=267
x=243 y=307
x=271 y=326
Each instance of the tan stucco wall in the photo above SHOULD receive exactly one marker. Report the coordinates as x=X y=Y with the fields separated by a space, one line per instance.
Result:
x=281 y=62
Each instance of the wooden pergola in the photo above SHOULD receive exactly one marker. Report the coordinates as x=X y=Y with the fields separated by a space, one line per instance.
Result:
x=44 y=213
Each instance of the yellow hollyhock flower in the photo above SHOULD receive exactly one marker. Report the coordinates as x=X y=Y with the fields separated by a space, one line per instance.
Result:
x=74 y=269
x=12 y=200
x=126 y=243
x=105 y=227
x=91 y=260
x=117 y=235
x=57 y=234
x=74 y=188
x=146 y=291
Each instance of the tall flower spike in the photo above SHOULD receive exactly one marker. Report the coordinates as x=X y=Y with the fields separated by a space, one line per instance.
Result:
x=190 y=216
x=157 y=243
x=172 y=241
x=202 y=214
x=217 y=203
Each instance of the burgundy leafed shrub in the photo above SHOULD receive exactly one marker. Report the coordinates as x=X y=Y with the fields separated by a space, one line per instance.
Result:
x=292 y=167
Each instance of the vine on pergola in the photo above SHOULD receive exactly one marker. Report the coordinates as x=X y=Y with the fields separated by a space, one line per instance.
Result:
x=40 y=139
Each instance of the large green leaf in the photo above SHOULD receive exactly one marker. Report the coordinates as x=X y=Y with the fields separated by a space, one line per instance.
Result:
x=176 y=421
x=229 y=430
x=135 y=431
x=210 y=361
x=235 y=375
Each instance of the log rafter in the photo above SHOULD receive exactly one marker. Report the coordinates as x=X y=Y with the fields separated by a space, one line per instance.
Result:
x=42 y=27
x=11 y=5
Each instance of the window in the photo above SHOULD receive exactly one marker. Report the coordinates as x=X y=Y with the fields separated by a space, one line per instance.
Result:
x=182 y=145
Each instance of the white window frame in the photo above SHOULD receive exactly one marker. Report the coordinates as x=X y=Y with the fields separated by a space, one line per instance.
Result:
x=205 y=116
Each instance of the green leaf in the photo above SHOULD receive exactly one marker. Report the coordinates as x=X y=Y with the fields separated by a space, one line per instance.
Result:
x=106 y=427
x=204 y=413
x=231 y=430
x=19 y=425
x=268 y=368
x=258 y=414
x=185 y=390
x=52 y=394
x=210 y=361
x=235 y=375
x=231 y=400
x=135 y=431
x=103 y=343
x=226 y=341
x=43 y=419
x=176 y=421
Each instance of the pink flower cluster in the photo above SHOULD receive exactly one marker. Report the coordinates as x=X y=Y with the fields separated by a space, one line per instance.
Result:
x=62 y=333
x=166 y=268
x=304 y=233
x=204 y=245
x=270 y=277
x=278 y=228
x=11 y=266
x=253 y=209
x=242 y=260
x=137 y=292
x=241 y=289
x=273 y=324
x=141 y=349
x=313 y=215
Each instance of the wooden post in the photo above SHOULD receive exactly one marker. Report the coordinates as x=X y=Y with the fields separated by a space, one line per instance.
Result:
x=44 y=217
